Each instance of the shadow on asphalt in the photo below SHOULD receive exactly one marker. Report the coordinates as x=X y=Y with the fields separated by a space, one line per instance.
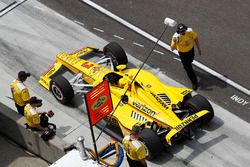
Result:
x=207 y=82
x=193 y=144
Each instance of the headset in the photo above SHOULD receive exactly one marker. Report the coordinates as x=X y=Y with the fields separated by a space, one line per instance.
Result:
x=181 y=28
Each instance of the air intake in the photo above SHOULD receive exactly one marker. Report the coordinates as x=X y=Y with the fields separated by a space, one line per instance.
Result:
x=165 y=98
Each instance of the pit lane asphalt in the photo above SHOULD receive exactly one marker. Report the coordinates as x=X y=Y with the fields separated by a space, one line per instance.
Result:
x=215 y=36
x=31 y=36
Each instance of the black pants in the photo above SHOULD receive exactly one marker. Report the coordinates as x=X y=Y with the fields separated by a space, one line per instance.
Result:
x=20 y=109
x=187 y=59
x=133 y=163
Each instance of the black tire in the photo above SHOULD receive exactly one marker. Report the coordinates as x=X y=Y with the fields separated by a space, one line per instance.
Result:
x=198 y=103
x=61 y=89
x=152 y=142
x=116 y=52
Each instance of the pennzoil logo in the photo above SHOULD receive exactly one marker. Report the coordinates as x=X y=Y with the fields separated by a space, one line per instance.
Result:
x=99 y=102
x=160 y=101
x=186 y=122
x=144 y=108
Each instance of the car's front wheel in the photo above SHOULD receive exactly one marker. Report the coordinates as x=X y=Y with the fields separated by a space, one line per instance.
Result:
x=61 y=89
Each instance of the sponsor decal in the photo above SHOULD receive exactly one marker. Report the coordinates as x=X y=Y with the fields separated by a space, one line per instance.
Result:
x=51 y=71
x=160 y=101
x=186 y=122
x=144 y=108
x=99 y=102
x=42 y=80
x=95 y=69
x=82 y=52
x=70 y=60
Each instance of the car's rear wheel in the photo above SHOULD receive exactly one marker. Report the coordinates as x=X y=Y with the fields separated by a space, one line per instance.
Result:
x=61 y=89
x=198 y=103
x=116 y=52
x=152 y=142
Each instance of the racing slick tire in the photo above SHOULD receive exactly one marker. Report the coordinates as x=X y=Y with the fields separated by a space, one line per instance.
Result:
x=61 y=89
x=152 y=142
x=116 y=52
x=198 y=103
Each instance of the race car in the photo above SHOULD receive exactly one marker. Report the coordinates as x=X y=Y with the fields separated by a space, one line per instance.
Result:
x=166 y=114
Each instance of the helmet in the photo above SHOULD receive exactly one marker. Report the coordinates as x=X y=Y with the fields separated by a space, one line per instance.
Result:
x=181 y=28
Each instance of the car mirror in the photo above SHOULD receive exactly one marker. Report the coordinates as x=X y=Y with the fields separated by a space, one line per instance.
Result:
x=124 y=99
x=121 y=67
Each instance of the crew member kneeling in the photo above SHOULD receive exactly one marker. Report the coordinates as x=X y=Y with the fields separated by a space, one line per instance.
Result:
x=34 y=119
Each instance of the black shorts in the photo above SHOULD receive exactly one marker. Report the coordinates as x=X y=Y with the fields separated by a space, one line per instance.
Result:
x=20 y=109
x=133 y=163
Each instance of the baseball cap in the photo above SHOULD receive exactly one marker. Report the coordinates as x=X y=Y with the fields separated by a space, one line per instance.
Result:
x=135 y=130
x=23 y=74
x=181 y=28
x=35 y=100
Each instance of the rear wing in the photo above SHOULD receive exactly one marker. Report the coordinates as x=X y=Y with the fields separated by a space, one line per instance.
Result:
x=185 y=122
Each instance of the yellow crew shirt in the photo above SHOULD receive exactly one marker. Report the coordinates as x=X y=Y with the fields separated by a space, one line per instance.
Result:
x=135 y=149
x=184 y=43
x=31 y=115
x=19 y=92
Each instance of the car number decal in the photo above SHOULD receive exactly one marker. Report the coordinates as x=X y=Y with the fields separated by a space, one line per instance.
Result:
x=87 y=64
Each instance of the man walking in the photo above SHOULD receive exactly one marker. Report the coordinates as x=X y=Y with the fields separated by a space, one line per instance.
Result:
x=183 y=41
x=135 y=149
x=20 y=92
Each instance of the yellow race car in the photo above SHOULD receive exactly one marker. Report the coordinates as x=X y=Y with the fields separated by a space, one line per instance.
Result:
x=167 y=114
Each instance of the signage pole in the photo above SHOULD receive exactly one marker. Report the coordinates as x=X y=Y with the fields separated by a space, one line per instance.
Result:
x=92 y=133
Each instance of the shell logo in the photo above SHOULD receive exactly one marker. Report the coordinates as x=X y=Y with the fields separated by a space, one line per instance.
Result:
x=99 y=102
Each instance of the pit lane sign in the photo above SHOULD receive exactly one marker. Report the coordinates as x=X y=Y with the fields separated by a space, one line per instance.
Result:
x=99 y=103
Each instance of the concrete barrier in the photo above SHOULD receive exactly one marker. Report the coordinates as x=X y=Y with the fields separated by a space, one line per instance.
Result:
x=12 y=126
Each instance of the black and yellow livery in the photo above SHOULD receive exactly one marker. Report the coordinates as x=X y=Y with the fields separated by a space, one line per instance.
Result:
x=167 y=113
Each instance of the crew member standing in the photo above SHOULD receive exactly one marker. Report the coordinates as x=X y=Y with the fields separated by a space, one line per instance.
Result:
x=135 y=149
x=20 y=92
x=183 y=41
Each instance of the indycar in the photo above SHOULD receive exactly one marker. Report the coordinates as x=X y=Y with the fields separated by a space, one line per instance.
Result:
x=166 y=114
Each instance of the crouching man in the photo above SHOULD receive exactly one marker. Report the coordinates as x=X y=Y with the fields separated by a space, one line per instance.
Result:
x=36 y=120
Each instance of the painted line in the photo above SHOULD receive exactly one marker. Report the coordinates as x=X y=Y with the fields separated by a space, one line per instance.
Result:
x=97 y=29
x=78 y=22
x=137 y=44
x=156 y=51
x=166 y=46
x=39 y=8
x=116 y=36
x=10 y=7
x=177 y=59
